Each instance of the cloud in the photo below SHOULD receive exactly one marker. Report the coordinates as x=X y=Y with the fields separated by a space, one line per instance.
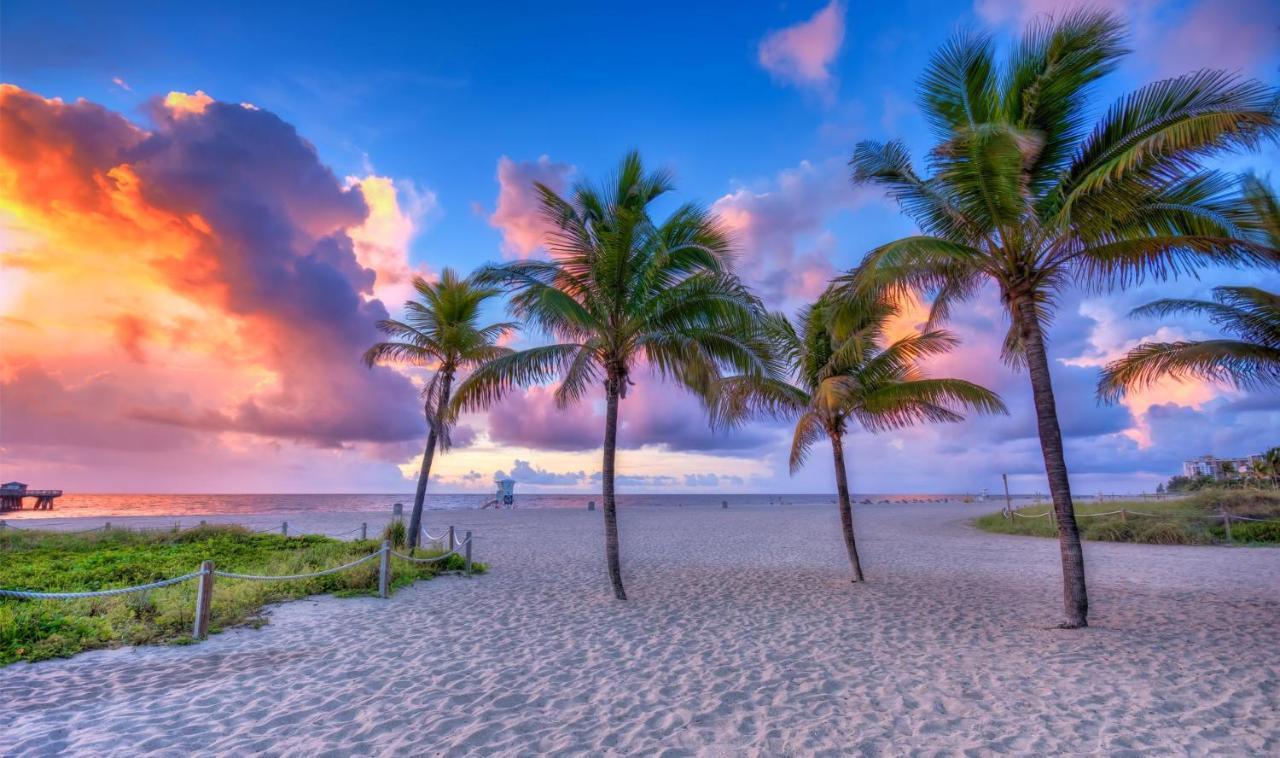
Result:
x=711 y=480
x=397 y=212
x=1019 y=12
x=530 y=418
x=518 y=215
x=802 y=54
x=653 y=414
x=181 y=104
x=121 y=83
x=1169 y=38
x=780 y=228
x=217 y=240
x=526 y=473
x=1236 y=35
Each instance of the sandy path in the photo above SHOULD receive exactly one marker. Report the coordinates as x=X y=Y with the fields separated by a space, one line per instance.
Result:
x=742 y=635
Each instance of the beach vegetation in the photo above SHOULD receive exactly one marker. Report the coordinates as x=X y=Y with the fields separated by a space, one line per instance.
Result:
x=844 y=370
x=1025 y=195
x=395 y=533
x=621 y=292
x=1192 y=520
x=441 y=332
x=50 y=561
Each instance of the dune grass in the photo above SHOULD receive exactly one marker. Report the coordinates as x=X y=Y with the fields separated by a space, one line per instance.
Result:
x=49 y=561
x=1185 y=521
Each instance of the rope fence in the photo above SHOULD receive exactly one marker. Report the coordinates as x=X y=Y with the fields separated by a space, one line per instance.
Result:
x=207 y=572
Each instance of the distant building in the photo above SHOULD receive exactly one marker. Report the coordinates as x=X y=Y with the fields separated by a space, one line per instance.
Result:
x=1218 y=468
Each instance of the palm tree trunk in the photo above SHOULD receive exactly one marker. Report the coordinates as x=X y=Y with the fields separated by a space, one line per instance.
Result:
x=612 y=387
x=1074 y=595
x=428 y=455
x=846 y=509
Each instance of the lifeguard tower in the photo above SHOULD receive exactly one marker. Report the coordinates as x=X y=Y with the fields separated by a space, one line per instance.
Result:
x=506 y=495
x=12 y=493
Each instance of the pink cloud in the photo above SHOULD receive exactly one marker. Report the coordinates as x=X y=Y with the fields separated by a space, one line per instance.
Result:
x=653 y=414
x=802 y=54
x=1236 y=35
x=518 y=214
x=785 y=250
x=1019 y=12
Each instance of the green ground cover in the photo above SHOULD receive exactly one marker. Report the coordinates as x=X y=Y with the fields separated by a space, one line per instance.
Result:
x=1191 y=520
x=49 y=561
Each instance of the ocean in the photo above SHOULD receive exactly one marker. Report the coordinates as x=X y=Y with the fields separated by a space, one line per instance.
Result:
x=82 y=504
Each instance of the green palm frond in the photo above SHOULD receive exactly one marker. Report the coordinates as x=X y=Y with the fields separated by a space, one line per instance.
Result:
x=1243 y=364
x=1251 y=361
x=901 y=404
x=1246 y=312
x=1050 y=76
x=738 y=399
x=1165 y=128
x=810 y=429
x=492 y=380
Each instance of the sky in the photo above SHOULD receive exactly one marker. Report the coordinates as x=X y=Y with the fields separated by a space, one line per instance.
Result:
x=204 y=209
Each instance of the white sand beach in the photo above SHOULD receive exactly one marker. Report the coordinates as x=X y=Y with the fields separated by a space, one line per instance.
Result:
x=743 y=635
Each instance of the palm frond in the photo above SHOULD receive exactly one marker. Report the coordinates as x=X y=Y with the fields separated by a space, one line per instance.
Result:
x=1243 y=364
x=490 y=381
x=809 y=430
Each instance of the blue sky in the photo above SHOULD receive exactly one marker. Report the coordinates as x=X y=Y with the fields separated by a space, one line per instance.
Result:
x=434 y=96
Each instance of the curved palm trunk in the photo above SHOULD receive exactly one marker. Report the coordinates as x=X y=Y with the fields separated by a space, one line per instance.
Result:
x=612 y=386
x=1074 y=595
x=846 y=509
x=428 y=455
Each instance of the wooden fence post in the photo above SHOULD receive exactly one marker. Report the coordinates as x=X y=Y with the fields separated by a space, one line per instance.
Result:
x=106 y=527
x=1008 y=501
x=1124 y=515
x=1226 y=523
x=452 y=541
x=364 y=531
x=468 y=553
x=284 y=528
x=591 y=505
x=384 y=570
x=204 y=601
x=724 y=503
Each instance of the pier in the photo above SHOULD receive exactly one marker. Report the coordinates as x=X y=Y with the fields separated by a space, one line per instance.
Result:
x=12 y=494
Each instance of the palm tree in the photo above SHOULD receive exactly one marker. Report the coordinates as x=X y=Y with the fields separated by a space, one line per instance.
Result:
x=1267 y=466
x=441 y=331
x=1250 y=314
x=1022 y=194
x=841 y=373
x=619 y=289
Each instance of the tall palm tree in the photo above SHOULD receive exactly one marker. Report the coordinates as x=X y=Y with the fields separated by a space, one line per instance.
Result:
x=1022 y=194
x=619 y=289
x=1250 y=314
x=841 y=372
x=441 y=331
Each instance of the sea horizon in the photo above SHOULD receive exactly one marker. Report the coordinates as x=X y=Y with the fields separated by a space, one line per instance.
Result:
x=77 y=505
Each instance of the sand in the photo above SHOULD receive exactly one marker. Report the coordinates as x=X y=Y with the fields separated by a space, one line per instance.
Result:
x=743 y=635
